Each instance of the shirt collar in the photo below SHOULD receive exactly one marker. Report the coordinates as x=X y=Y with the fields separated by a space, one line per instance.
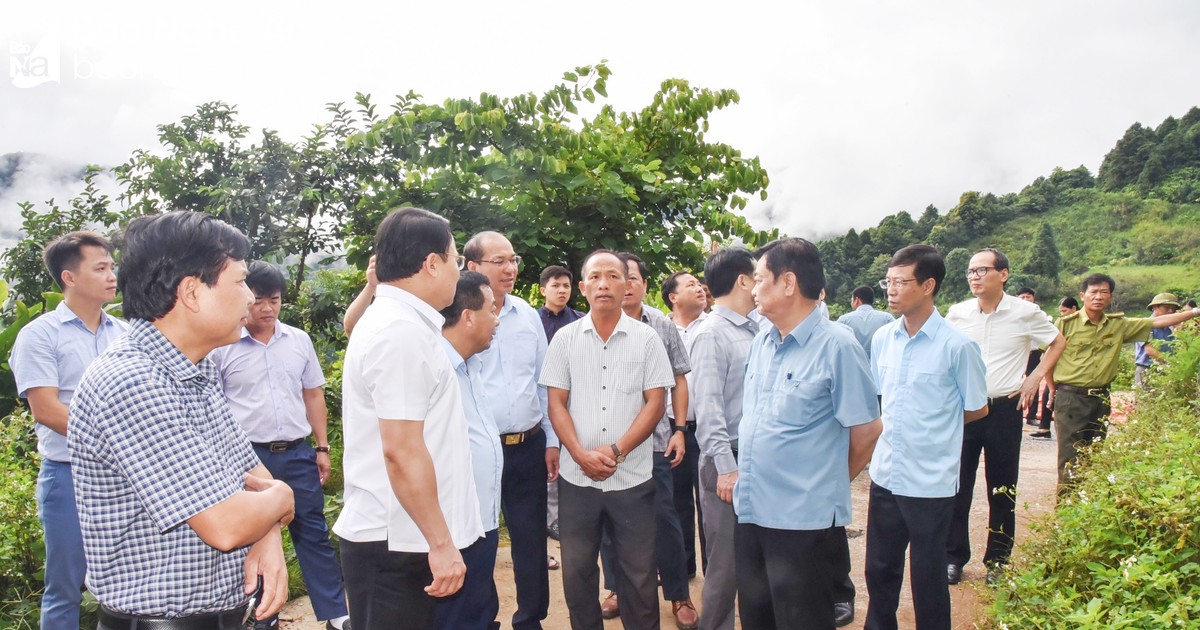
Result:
x=735 y=318
x=1004 y=304
x=622 y=324
x=280 y=331
x=456 y=360
x=804 y=330
x=930 y=328
x=864 y=307
x=427 y=312
x=151 y=340
x=65 y=314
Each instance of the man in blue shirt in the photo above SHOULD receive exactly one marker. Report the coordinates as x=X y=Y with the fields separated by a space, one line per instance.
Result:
x=48 y=359
x=274 y=384
x=863 y=319
x=468 y=330
x=809 y=426
x=1145 y=354
x=931 y=378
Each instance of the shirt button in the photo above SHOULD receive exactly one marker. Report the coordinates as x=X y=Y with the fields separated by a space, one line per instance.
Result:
x=604 y=387
x=604 y=409
x=604 y=366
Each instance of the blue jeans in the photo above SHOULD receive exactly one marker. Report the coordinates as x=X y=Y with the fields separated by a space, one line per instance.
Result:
x=297 y=467
x=65 y=564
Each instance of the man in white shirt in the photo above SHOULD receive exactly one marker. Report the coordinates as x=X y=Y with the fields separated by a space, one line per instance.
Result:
x=1006 y=328
x=607 y=375
x=411 y=503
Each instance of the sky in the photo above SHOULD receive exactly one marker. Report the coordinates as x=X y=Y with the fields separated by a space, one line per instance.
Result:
x=857 y=109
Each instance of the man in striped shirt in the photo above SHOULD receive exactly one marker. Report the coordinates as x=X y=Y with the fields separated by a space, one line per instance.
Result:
x=607 y=375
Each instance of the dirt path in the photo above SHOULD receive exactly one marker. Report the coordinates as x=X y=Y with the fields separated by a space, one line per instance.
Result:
x=1036 y=498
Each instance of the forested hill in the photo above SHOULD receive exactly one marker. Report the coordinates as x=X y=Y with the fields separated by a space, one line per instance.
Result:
x=1137 y=219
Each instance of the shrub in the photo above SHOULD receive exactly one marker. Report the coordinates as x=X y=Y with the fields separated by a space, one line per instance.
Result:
x=22 y=553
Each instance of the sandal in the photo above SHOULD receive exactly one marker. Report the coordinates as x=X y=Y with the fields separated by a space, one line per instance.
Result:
x=551 y=563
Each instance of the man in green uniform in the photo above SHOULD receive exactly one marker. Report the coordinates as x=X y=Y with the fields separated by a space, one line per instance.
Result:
x=1089 y=365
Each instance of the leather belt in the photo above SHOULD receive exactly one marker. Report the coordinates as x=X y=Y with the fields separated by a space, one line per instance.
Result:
x=1098 y=392
x=996 y=401
x=278 y=447
x=512 y=439
x=228 y=620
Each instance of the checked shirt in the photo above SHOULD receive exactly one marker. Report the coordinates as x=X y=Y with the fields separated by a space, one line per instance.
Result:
x=152 y=444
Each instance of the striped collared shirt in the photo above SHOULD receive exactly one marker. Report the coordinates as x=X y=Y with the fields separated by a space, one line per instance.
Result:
x=677 y=354
x=606 y=381
x=719 y=349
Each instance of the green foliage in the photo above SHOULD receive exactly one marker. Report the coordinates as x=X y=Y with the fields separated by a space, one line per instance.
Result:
x=8 y=337
x=1121 y=549
x=22 y=552
x=1043 y=258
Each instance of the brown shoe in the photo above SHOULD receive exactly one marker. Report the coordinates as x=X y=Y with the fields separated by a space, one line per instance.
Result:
x=609 y=608
x=686 y=617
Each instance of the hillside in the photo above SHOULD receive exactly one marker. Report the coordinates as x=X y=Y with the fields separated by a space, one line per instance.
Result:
x=1138 y=220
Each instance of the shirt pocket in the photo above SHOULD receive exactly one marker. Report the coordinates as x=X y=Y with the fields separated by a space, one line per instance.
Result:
x=630 y=376
x=797 y=402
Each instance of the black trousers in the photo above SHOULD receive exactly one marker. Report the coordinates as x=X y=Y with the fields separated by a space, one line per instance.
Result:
x=386 y=589
x=998 y=436
x=476 y=604
x=785 y=578
x=896 y=523
x=628 y=515
x=686 y=477
x=523 y=502
x=843 y=585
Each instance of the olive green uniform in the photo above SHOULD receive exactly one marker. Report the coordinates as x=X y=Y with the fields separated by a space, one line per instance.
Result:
x=1089 y=362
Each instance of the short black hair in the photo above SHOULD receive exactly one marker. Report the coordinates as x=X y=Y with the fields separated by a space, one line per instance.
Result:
x=468 y=296
x=1027 y=291
x=1069 y=302
x=159 y=251
x=627 y=257
x=405 y=239
x=552 y=272
x=864 y=294
x=1098 y=279
x=1190 y=304
x=1001 y=261
x=927 y=263
x=800 y=257
x=473 y=250
x=602 y=252
x=65 y=252
x=265 y=279
x=723 y=268
x=670 y=285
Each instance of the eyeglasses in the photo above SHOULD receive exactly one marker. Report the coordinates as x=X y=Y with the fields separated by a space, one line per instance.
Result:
x=979 y=272
x=899 y=284
x=515 y=261
x=460 y=261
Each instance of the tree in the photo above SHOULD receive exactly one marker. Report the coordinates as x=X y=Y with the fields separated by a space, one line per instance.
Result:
x=955 y=287
x=1044 y=259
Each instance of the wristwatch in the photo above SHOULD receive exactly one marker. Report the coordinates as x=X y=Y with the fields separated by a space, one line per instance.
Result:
x=321 y=449
x=618 y=453
x=677 y=428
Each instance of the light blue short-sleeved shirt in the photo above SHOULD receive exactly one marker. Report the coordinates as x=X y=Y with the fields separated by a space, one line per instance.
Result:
x=265 y=382
x=864 y=321
x=927 y=382
x=487 y=456
x=802 y=394
x=53 y=351
x=512 y=367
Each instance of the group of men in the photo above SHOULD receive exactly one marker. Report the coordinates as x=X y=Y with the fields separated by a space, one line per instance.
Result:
x=188 y=445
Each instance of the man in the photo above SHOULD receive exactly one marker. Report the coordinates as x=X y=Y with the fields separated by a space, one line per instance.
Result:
x=1037 y=414
x=511 y=367
x=719 y=350
x=1027 y=294
x=932 y=379
x=1145 y=354
x=863 y=319
x=274 y=385
x=48 y=359
x=410 y=503
x=669 y=447
x=180 y=520
x=470 y=325
x=607 y=374
x=555 y=285
x=809 y=426
x=1089 y=365
x=1005 y=329
x=684 y=295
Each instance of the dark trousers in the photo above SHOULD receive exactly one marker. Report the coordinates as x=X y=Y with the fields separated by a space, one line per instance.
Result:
x=785 y=578
x=297 y=467
x=386 y=588
x=1078 y=419
x=998 y=436
x=843 y=586
x=686 y=477
x=523 y=501
x=583 y=513
x=896 y=523
x=668 y=540
x=476 y=605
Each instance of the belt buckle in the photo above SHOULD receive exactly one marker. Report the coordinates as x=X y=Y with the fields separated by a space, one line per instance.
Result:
x=1095 y=391
x=514 y=438
x=279 y=447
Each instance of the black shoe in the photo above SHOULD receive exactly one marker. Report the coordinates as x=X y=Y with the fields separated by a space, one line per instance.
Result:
x=345 y=625
x=843 y=613
x=953 y=573
x=1040 y=435
x=269 y=623
x=552 y=530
